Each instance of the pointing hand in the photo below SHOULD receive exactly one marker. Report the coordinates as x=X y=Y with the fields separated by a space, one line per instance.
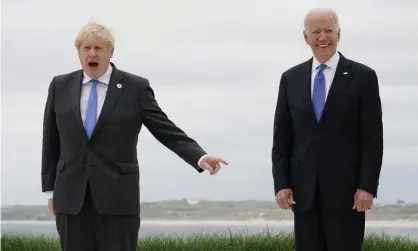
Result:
x=212 y=164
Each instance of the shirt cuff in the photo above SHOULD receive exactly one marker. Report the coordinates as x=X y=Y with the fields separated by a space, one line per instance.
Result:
x=50 y=194
x=200 y=160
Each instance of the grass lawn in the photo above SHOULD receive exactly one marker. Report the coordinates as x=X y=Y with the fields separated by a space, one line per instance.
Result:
x=261 y=242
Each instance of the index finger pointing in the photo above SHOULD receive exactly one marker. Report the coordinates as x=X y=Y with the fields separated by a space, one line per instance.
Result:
x=223 y=161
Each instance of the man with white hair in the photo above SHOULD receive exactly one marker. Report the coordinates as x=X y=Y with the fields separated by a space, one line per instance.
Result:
x=327 y=141
x=89 y=158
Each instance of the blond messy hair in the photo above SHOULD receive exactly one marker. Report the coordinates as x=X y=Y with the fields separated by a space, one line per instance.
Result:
x=95 y=30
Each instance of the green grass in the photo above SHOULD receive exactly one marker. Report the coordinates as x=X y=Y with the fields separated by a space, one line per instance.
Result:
x=261 y=242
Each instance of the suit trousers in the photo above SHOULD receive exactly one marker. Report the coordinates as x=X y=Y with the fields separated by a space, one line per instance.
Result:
x=322 y=229
x=90 y=231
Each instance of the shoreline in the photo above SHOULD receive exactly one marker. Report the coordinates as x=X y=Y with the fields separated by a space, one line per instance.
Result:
x=256 y=222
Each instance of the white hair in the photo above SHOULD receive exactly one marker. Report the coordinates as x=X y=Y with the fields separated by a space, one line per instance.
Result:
x=93 y=29
x=322 y=11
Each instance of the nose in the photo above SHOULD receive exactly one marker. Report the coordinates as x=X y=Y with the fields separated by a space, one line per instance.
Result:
x=92 y=52
x=322 y=36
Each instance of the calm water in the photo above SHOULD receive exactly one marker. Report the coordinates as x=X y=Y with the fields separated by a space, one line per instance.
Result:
x=184 y=228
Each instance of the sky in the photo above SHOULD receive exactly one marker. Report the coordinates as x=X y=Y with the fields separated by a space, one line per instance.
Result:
x=215 y=67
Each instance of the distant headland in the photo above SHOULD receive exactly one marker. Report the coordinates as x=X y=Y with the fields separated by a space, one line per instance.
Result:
x=189 y=209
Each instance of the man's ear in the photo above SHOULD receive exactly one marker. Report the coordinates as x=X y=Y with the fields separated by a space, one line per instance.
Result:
x=339 y=34
x=305 y=36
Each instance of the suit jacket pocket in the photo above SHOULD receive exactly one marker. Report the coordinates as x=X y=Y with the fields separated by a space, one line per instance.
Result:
x=126 y=168
x=60 y=165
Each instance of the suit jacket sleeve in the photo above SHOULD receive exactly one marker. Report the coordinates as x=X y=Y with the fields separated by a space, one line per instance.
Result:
x=50 y=143
x=282 y=140
x=371 y=135
x=166 y=132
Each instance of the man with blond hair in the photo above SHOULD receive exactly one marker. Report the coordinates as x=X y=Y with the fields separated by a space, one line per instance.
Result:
x=89 y=158
x=327 y=141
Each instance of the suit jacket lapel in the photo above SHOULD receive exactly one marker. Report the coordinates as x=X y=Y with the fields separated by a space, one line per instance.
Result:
x=112 y=95
x=342 y=74
x=75 y=92
x=306 y=87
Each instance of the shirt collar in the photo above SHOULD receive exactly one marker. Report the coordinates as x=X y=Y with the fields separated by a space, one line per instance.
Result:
x=105 y=78
x=331 y=63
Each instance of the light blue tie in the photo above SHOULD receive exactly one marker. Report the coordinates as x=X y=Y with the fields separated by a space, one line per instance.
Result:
x=318 y=96
x=91 y=114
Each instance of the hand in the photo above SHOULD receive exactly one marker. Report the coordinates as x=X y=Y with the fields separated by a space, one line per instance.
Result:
x=362 y=200
x=51 y=207
x=284 y=198
x=212 y=164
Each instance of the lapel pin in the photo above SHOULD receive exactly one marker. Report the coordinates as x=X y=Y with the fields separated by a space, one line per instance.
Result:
x=119 y=86
x=345 y=73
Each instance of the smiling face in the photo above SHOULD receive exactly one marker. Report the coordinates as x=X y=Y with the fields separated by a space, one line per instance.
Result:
x=322 y=34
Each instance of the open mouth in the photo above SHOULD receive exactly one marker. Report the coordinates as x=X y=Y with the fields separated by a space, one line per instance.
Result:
x=323 y=45
x=93 y=64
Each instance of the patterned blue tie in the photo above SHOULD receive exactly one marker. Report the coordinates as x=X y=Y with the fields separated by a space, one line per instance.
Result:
x=91 y=113
x=318 y=96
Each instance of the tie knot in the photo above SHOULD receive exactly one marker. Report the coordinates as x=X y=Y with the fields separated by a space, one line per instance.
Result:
x=322 y=67
x=94 y=82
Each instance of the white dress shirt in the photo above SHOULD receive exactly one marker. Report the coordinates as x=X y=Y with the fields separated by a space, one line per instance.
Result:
x=329 y=71
x=101 y=92
x=101 y=95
